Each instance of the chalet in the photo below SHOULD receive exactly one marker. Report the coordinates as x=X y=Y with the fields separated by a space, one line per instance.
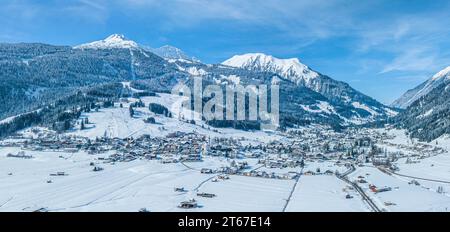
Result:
x=254 y=154
x=20 y=155
x=273 y=175
x=151 y=156
x=71 y=149
x=362 y=181
x=329 y=172
x=207 y=195
x=206 y=171
x=168 y=160
x=381 y=161
x=223 y=177
x=385 y=189
x=246 y=173
x=59 y=174
x=97 y=169
x=414 y=182
x=182 y=190
x=309 y=173
x=290 y=175
x=191 y=204
x=191 y=158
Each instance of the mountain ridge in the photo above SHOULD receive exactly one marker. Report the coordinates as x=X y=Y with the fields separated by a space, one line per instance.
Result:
x=410 y=96
x=32 y=70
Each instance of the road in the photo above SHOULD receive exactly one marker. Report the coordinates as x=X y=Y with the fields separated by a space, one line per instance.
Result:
x=361 y=192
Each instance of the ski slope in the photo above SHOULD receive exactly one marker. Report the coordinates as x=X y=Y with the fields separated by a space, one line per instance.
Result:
x=117 y=122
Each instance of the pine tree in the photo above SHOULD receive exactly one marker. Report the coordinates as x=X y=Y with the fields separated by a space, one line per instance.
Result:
x=67 y=125
x=131 y=111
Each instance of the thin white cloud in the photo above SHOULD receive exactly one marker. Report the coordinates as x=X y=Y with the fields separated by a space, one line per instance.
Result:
x=417 y=59
x=306 y=19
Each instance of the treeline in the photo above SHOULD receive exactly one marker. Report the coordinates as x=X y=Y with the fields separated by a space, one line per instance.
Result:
x=60 y=114
x=240 y=125
x=159 y=109
x=33 y=74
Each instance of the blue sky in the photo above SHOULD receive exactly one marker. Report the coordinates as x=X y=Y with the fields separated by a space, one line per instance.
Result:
x=381 y=48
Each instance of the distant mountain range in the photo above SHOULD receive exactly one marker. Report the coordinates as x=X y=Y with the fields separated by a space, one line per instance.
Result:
x=35 y=75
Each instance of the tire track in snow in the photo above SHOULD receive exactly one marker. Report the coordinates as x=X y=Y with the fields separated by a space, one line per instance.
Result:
x=361 y=192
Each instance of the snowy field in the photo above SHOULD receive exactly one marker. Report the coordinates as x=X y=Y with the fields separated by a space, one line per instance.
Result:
x=437 y=168
x=324 y=194
x=431 y=172
x=403 y=196
x=128 y=186
x=247 y=194
x=131 y=186
x=27 y=184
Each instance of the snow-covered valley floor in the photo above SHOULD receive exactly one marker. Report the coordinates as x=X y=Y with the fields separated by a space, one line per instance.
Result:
x=28 y=184
x=126 y=186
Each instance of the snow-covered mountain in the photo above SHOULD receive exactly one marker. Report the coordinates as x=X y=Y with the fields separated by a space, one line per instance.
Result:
x=113 y=41
x=119 y=41
x=290 y=69
x=300 y=74
x=423 y=89
x=172 y=53
x=428 y=117
x=306 y=96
